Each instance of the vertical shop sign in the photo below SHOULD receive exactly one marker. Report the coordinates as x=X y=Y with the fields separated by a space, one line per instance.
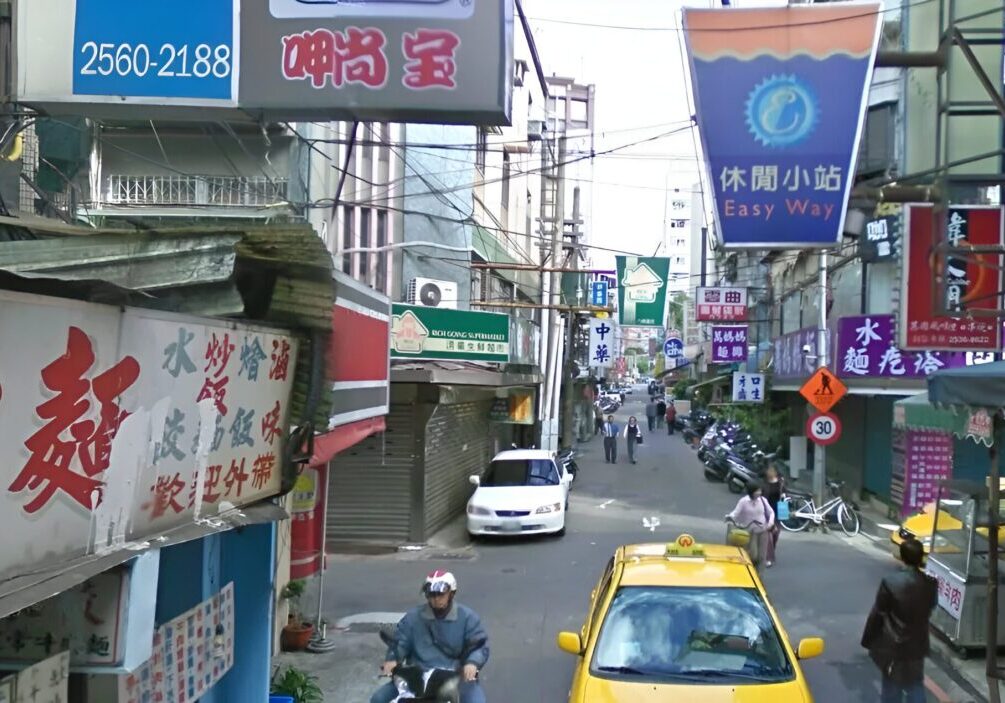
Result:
x=602 y=349
x=307 y=539
x=642 y=290
x=973 y=282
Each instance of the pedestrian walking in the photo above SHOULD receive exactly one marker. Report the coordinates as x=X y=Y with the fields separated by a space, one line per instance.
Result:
x=651 y=414
x=598 y=418
x=671 y=417
x=753 y=514
x=611 y=431
x=633 y=437
x=774 y=490
x=896 y=631
x=661 y=411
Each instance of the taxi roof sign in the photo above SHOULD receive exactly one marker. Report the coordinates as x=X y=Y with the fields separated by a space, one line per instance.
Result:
x=685 y=546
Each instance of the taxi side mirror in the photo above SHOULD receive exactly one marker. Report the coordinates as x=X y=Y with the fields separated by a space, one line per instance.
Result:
x=570 y=642
x=810 y=647
x=475 y=480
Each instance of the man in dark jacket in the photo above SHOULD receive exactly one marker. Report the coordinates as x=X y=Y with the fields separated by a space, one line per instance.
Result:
x=651 y=414
x=661 y=411
x=896 y=633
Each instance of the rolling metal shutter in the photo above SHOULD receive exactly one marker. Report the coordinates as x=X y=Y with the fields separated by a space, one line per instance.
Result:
x=369 y=489
x=459 y=442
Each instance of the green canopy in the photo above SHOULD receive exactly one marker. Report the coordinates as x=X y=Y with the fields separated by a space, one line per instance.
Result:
x=916 y=413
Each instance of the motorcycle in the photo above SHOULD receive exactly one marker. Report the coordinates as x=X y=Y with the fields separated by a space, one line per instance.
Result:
x=747 y=470
x=419 y=685
x=727 y=456
x=567 y=458
x=694 y=425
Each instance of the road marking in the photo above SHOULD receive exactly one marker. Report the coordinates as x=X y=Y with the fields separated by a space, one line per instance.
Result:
x=651 y=523
x=605 y=503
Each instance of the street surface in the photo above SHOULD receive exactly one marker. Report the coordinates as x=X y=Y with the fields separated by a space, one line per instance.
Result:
x=528 y=590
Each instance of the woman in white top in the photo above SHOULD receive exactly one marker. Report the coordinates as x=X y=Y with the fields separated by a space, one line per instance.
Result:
x=633 y=435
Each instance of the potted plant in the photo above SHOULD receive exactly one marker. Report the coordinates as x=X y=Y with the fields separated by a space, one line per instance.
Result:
x=296 y=633
x=296 y=685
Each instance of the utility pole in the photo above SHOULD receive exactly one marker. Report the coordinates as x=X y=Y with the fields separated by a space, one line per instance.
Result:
x=820 y=452
x=569 y=396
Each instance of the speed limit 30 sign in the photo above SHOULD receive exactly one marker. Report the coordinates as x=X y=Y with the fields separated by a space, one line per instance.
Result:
x=823 y=428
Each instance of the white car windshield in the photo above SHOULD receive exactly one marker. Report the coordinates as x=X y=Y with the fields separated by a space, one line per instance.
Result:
x=710 y=635
x=521 y=472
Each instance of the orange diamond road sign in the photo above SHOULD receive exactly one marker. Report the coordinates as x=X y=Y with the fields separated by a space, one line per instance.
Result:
x=823 y=390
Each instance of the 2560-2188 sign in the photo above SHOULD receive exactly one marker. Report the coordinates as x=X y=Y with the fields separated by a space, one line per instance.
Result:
x=185 y=61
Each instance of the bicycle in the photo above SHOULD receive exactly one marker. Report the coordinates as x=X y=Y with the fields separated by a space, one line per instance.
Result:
x=803 y=511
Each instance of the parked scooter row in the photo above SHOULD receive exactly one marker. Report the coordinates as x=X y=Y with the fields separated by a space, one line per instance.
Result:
x=730 y=454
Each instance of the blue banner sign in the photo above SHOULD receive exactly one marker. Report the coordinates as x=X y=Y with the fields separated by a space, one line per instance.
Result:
x=781 y=94
x=156 y=49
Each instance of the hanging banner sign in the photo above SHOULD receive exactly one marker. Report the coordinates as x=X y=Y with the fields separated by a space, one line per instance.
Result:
x=974 y=282
x=642 y=290
x=748 y=387
x=781 y=94
x=601 y=342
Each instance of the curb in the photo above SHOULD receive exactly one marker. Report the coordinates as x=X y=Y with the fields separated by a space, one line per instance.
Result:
x=936 y=690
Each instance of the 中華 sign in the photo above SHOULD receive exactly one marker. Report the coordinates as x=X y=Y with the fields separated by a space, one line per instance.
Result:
x=780 y=111
x=419 y=332
x=602 y=348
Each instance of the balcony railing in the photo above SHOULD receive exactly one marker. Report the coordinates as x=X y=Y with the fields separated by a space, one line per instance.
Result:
x=216 y=191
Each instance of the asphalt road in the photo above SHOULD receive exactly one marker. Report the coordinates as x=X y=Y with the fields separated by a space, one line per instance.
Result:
x=528 y=590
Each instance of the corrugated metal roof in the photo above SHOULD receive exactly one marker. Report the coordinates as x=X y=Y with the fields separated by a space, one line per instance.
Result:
x=280 y=274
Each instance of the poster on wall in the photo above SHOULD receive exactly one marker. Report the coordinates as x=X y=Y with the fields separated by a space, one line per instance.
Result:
x=191 y=653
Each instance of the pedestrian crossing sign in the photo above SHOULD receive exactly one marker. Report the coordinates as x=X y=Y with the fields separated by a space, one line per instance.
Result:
x=823 y=390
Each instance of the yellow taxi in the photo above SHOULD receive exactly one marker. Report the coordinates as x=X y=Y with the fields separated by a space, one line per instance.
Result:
x=684 y=622
x=920 y=526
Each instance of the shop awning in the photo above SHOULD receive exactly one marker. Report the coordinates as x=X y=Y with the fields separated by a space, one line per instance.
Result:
x=711 y=381
x=22 y=591
x=917 y=413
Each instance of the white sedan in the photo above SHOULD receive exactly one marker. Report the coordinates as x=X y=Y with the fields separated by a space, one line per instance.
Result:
x=523 y=492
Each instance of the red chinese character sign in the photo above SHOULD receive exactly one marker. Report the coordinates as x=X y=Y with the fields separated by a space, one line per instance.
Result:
x=952 y=589
x=118 y=423
x=973 y=283
x=721 y=304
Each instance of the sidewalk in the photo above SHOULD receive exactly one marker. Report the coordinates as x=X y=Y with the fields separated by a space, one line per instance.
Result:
x=950 y=678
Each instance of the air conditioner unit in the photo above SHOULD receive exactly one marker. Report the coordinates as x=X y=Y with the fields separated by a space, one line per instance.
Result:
x=432 y=293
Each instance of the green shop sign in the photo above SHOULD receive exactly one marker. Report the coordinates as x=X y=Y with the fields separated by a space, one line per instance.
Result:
x=642 y=290
x=419 y=332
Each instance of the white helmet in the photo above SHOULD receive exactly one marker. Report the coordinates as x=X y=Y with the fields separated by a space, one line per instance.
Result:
x=439 y=581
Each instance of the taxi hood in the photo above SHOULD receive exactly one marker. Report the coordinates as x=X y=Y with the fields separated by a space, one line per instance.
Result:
x=608 y=691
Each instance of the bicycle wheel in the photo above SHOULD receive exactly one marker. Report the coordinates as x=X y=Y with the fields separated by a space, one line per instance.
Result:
x=794 y=522
x=848 y=519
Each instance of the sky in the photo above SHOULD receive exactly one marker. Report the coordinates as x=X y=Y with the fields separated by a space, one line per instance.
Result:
x=640 y=86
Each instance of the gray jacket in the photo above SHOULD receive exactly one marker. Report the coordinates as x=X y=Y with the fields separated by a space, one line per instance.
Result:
x=427 y=642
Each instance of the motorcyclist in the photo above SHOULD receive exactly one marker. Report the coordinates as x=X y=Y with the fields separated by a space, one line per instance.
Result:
x=440 y=634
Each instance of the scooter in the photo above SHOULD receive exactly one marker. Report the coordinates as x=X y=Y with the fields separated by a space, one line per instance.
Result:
x=747 y=470
x=425 y=685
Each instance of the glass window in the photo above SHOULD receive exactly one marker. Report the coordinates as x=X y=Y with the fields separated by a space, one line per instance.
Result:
x=706 y=635
x=521 y=472
x=481 y=149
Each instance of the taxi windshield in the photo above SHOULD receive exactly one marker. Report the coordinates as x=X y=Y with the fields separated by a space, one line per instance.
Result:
x=697 y=635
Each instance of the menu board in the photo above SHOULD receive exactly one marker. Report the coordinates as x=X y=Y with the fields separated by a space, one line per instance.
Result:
x=898 y=467
x=929 y=462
